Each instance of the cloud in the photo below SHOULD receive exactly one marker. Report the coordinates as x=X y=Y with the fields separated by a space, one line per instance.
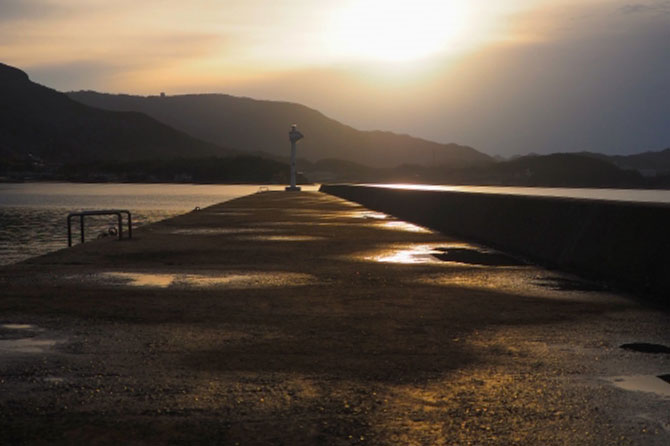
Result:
x=17 y=10
x=148 y=60
x=657 y=7
x=174 y=45
x=131 y=59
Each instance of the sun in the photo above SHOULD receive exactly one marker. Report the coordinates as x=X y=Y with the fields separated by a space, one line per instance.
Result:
x=398 y=30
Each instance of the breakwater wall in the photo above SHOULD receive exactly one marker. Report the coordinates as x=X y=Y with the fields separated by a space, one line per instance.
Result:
x=623 y=243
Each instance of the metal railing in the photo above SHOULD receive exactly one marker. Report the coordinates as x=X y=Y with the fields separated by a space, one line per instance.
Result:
x=81 y=215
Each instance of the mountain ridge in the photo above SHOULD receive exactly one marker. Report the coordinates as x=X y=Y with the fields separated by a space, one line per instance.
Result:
x=41 y=122
x=237 y=120
x=38 y=123
x=649 y=163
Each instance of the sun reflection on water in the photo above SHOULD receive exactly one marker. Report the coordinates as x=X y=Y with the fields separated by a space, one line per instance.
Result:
x=368 y=215
x=404 y=226
x=414 y=255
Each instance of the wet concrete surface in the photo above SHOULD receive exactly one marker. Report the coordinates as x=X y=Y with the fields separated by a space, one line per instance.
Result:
x=274 y=319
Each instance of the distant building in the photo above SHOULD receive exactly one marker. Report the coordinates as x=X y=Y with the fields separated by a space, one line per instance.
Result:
x=162 y=94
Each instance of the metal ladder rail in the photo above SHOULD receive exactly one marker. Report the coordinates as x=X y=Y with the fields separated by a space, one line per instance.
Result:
x=81 y=215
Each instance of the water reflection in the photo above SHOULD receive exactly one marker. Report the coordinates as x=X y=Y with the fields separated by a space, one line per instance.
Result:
x=18 y=326
x=282 y=238
x=231 y=213
x=642 y=383
x=452 y=253
x=404 y=226
x=22 y=338
x=521 y=281
x=26 y=345
x=413 y=255
x=215 y=231
x=368 y=215
x=228 y=280
x=53 y=379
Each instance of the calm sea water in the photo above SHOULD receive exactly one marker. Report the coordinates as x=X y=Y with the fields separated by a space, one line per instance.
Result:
x=33 y=215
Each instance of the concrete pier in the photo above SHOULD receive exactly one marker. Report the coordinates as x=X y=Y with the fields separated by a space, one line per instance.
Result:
x=303 y=319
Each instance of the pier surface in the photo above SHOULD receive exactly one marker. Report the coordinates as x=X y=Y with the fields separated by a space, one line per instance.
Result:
x=304 y=319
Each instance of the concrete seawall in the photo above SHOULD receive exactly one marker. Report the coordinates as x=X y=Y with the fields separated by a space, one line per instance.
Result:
x=624 y=243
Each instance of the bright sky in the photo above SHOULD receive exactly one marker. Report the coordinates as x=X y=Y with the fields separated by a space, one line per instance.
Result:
x=429 y=60
x=172 y=41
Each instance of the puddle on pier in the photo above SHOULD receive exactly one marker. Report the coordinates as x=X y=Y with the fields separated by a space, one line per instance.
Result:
x=404 y=226
x=526 y=280
x=22 y=338
x=480 y=268
x=321 y=214
x=26 y=345
x=293 y=223
x=231 y=213
x=18 y=326
x=387 y=221
x=240 y=210
x=418 y=254
x=281 y=238
x=53 y=379
x=236 y=280
x=339 y=215
x=215 y=231
x=18 y=331
x=368 y=215
x=642 y=383
x=453 y=253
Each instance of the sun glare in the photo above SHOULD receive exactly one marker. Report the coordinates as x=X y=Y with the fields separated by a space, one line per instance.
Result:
x=399 y=30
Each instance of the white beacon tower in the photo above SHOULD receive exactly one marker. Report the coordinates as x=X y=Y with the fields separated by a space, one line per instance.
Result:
x=294 y=136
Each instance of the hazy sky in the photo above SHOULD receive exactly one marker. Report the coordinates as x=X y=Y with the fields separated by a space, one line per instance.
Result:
x=532 y=75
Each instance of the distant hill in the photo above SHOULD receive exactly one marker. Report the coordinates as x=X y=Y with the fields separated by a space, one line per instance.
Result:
x=262 y=126
x=561 y=170
x=556 y=170
x=647 y=163
x=39 y=126
x=38 y=122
